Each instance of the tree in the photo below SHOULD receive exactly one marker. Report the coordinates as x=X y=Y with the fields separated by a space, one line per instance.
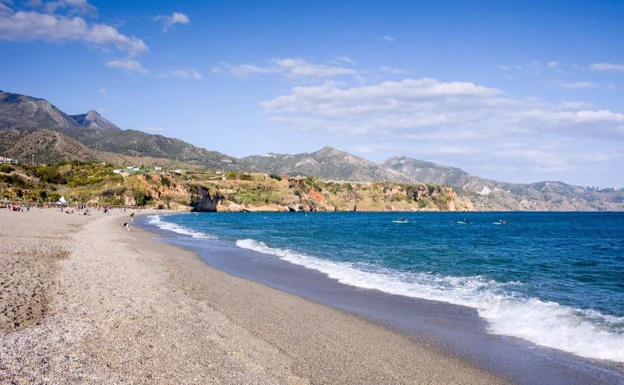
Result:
x=141 y=198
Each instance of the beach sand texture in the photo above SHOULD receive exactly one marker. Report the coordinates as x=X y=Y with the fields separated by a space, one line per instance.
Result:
x=85 y=302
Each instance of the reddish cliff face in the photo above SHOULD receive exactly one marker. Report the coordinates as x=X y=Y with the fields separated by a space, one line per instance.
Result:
x=317 y=197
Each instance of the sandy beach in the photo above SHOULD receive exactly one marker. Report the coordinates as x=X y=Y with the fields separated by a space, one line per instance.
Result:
x=85 y=302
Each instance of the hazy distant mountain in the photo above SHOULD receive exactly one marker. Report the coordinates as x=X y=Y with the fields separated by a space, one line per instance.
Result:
x=327 y=163
x=94 y=121
x=488 y=194
x=21 y=111
x=432 y=173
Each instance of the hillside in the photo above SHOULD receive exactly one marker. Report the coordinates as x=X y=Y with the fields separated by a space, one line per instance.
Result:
x=97 y=184
x=21 y=111
x=50 y=146
x=327 y=163
x=137 y=143
x=433 y=173
x=94 y=131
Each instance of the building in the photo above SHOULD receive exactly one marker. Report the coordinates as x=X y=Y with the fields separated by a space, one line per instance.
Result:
x=5 y=160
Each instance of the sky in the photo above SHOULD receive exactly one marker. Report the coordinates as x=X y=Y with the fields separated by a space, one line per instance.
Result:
x=518 y=91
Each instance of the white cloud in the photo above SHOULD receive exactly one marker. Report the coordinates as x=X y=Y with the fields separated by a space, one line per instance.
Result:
x=103 y=91
x=610 y=67
x=153 y=129
x=428 y=109
x=390 y=70
x=574 y=85
x=243 y=70
x=388 y=38
x=574 y=106
x=184 y=74
x=612 y=87
x=170 y=21
x=33 y=3
x=345 y=59
x=534 y=67
x=27 y=26
x=129 y=65
x=288 y=67
x=80 y=6
x=363 y=150
x=5 y=11
x=552 y=64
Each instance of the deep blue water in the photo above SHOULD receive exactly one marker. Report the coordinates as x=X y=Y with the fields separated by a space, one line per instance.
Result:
x=555 y=279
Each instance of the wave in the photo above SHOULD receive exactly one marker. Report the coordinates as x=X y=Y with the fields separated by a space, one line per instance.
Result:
x=581 y=332
x=157 y=221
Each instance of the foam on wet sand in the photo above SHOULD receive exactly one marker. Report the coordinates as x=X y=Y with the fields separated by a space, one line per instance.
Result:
x=111 y=306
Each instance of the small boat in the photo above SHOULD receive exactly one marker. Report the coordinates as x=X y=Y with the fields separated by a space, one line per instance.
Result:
x=401 y=221
x=462 y=223
x=501 y=222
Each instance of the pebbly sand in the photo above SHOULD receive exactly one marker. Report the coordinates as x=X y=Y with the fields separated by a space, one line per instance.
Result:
x=82 y=301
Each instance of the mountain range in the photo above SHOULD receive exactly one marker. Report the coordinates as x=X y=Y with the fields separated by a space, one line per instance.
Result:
x=31 y=125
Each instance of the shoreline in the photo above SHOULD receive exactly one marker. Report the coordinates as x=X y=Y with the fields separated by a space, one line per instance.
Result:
x=453 y=329
x=124 y=307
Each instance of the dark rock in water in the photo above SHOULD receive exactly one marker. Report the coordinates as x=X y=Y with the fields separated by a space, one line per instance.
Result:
x=204 y=201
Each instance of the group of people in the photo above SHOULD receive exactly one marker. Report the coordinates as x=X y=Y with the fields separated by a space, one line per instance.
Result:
x=17 y=208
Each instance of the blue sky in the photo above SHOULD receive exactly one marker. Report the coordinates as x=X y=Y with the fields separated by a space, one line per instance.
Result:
x=516 y=91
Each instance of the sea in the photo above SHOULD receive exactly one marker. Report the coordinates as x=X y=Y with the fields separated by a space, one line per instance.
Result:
x=553 y=280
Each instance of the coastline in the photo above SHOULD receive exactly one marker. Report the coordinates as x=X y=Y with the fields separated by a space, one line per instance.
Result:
x=124 y=307
x=456 y=330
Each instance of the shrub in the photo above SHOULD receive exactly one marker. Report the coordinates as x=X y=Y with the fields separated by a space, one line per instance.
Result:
x=276 y=177
x=14 y=180
x=141 y=198
x=49 y=174
x=6 y=168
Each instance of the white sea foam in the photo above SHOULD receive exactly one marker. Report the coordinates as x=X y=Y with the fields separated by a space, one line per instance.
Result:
x=157 y=221
x=584 y=333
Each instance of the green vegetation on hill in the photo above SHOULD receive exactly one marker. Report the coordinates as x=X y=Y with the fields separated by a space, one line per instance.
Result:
x=97 y=184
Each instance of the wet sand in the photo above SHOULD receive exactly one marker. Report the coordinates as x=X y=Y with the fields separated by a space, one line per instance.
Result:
x=121 y=307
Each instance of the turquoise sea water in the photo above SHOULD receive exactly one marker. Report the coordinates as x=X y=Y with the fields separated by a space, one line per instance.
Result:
x=555 y=279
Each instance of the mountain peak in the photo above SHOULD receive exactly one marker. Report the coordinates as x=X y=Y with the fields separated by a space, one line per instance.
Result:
x=328 y=151
x=94 y=121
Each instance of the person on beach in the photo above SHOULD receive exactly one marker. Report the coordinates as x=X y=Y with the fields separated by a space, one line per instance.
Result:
x=132 y=217
x=126 y=225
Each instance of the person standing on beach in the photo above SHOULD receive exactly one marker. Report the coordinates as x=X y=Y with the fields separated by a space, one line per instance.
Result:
x=132 y=217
